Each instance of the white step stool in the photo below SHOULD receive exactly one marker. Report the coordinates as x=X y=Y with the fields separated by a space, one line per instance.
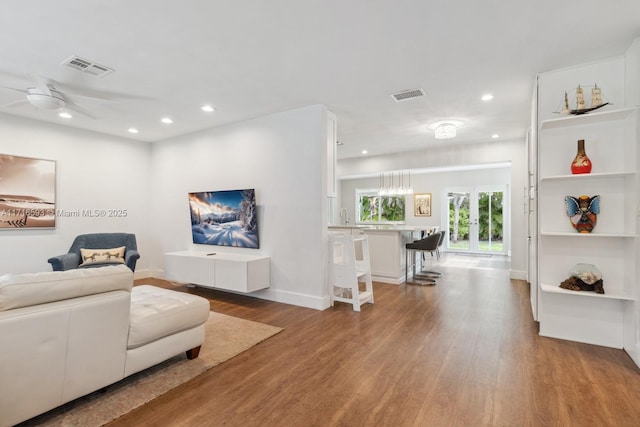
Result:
x=349 y=266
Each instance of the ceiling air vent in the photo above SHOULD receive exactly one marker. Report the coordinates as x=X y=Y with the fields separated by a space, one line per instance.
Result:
x=408 y=94
x=87 y=66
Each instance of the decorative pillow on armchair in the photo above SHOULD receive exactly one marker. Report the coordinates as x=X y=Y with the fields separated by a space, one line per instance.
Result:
x=102 y=256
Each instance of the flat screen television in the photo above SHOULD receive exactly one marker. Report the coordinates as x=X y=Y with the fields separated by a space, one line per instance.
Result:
x=224 y=218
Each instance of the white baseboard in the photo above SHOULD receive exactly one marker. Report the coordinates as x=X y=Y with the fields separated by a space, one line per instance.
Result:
x=612 y=343
x=293 y=298
x=271 y=294
x=390 y=280
x=145 y=274
x=517 y=275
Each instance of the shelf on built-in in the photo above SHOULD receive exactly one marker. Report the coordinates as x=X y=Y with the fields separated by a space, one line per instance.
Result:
x=586 y=235
x=583 y=119
x=586 y=176
x=558 y=290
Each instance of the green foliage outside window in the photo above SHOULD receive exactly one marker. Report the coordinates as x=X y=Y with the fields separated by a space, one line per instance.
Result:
x=459 y=231
x=381 y=209
x=496 y=216
x=485 y=227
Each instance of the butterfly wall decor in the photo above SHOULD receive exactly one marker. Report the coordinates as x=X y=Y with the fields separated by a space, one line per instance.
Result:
x=583 y=212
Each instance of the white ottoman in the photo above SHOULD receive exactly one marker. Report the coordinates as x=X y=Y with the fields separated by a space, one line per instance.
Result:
x=166 y=322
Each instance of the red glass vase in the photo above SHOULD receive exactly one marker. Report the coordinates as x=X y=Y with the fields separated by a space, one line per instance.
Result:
x=581 y=163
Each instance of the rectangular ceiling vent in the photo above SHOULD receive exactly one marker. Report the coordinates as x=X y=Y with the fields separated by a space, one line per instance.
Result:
x=86 y=66
x=408 y=94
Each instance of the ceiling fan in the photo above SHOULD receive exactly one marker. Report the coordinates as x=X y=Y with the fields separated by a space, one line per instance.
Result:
x=44 y=95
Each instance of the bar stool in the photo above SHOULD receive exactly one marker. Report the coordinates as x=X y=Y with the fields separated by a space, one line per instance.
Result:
x=428 y=244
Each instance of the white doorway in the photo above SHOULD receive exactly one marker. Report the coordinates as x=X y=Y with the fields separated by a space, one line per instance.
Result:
x=477 y=219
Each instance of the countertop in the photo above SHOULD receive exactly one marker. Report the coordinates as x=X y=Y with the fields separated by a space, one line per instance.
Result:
x=372 y=227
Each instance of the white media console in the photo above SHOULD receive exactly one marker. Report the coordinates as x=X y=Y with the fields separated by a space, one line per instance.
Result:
x=213 y=269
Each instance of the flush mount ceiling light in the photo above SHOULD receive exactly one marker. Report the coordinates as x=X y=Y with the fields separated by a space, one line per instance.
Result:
x=445 y=129
x=166 y=120
x=133 y=130
x=487 y=97
x=64 y=115
x=207 y=109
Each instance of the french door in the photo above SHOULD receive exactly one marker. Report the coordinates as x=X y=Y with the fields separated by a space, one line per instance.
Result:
x=477 y=219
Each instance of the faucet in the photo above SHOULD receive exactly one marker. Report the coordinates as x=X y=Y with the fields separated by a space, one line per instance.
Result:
x=346 y=216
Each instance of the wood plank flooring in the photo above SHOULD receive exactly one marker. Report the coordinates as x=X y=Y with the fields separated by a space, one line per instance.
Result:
x=465 y=352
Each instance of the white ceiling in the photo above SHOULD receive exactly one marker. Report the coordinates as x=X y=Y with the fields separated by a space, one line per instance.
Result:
x=249 y=58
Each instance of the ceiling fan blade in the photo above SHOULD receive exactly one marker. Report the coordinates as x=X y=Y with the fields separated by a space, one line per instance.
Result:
x=16 y=103
x=78 y=109
x=14 y=89
x=87 y=92
x=14 y=75
x=77 y=97
x=40 y=83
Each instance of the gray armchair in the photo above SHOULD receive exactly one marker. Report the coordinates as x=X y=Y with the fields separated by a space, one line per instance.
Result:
x=72 y=259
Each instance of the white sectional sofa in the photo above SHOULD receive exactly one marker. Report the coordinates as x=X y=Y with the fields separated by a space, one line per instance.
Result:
x=64 y=334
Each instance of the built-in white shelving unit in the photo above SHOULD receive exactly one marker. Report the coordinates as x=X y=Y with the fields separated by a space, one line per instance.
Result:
x=611 y=143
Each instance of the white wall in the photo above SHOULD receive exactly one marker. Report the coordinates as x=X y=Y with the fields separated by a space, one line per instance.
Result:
x=282 y=156
x=93 y=171
x=513 y=152
x=632 y=75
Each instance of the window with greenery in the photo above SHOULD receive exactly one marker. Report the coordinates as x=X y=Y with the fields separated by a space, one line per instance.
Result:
x=379 y=209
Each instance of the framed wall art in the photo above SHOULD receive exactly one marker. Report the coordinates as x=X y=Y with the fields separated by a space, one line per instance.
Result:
x=27 y=192
x=422 y=204
x=224 y=218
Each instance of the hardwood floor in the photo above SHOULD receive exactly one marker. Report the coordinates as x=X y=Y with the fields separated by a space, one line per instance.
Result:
x=462 y=353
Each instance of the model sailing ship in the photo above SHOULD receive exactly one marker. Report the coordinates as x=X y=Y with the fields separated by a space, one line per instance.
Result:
x=581 y=108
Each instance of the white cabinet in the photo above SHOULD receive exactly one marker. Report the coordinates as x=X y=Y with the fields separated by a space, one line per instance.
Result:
x=332 y=141
x=611 y=143
x=235 y=272
x=387 y=255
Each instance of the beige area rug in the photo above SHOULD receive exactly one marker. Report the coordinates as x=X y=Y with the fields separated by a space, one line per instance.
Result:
x=226 y=337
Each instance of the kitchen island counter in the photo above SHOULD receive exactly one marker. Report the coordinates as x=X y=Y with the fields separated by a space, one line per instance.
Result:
x=386 y=247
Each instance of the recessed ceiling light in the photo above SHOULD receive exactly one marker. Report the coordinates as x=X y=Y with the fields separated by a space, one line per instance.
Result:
x=487 y=97
x=495 y=136
x=166 y=120
x=207 y=108
x=65 y=115
x=365 y=152
x=133 y=130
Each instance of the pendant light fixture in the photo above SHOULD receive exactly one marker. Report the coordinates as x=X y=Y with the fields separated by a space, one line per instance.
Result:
x=409 y=189
x=382 y=191
x=392 y=190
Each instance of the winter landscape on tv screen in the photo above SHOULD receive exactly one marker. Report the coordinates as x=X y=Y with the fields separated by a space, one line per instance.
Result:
x=224 y=218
